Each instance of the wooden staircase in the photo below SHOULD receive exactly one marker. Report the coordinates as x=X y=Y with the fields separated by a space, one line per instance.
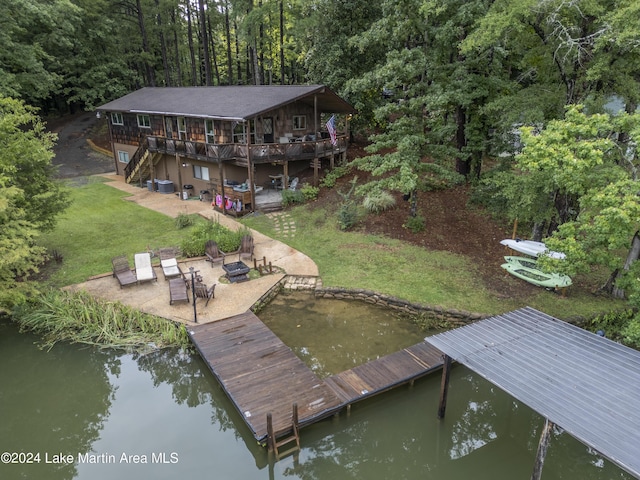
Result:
x=293 y=439
x=140 y=166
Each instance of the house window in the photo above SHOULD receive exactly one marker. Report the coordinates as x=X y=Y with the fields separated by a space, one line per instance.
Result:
x=210 y=131
x=144 y=121
x=201 y=172
x=238 y=133
x=299 y=122
x=182 y=128
x=116 y=118
x=123 y=157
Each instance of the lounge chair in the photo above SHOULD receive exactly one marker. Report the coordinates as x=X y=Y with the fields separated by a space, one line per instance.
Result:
x=246 y=247
x=202 y=291
x=144 y=270
x=213 y=253
x=122 y=271
x=178 y=291
x=169 y=264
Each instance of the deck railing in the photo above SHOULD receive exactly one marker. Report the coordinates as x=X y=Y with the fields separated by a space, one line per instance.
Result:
x=260 y=153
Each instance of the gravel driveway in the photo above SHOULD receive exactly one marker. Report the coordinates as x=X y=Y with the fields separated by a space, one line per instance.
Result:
x=73 y=156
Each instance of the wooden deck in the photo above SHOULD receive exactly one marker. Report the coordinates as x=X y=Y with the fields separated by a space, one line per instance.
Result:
x=262 y=375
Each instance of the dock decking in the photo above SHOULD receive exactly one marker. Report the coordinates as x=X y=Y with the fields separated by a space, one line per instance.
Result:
x=262 y=375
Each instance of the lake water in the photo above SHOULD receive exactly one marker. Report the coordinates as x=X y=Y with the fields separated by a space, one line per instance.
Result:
x=82 y=413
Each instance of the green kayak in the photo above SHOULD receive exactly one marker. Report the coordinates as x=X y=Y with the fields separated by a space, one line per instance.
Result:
x=525 y=269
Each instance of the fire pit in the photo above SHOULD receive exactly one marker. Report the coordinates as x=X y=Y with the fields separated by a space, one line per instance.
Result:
x=236 y=271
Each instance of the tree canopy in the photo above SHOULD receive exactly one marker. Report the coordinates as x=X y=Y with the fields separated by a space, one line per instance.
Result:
x=29 y=198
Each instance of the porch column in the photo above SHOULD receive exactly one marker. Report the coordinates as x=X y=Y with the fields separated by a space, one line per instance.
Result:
x=285 y=180
x=315 y=116
x=179 y=176
x=221 y=177
x=250 y=167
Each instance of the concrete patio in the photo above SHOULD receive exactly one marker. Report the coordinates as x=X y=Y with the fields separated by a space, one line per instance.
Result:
x=230 y=298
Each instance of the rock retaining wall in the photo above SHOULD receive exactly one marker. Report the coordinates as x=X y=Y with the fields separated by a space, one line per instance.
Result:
x=291 y=282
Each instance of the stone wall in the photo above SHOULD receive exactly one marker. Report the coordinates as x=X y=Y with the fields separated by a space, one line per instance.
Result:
x=452 y=316
x=314 y=284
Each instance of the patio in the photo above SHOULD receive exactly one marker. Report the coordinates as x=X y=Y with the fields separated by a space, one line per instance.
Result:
x=230 y=299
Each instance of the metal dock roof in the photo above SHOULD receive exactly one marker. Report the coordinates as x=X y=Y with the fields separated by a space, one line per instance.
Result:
x=586 y=384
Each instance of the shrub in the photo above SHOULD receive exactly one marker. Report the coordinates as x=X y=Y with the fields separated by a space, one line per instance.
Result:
x=227 y=240
x=348 y=212
x=377 y=202
x=289 y=197
x=330 y=178
x=309 y=192
x=415 y=224
x=348 y=215
x=183 y=221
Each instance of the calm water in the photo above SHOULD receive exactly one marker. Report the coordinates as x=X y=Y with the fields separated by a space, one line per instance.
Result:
x=332 y=336
x=81 y=405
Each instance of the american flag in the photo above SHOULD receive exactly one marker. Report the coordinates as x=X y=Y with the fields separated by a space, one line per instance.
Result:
x=331 y=127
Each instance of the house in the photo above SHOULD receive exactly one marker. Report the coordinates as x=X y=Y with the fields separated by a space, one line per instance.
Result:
x=226 y=143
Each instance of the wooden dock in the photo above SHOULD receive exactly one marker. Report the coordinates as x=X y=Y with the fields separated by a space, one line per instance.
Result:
x=261 y=375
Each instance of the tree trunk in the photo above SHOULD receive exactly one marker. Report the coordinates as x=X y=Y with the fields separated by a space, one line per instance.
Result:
x=632 y=256
x=148 y=69
x=536 y=231
x=238 y=61
x=213 y=51
x=192 y=53
x=227 y=28
x=176 y=52
x=163 y=47
x=204 y=43
x=462 y=165
x=282 y=42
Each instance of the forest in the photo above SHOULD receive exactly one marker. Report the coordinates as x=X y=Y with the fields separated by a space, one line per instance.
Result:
x=515 y=97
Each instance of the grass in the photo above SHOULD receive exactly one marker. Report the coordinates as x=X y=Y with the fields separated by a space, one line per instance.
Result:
x=356 y=260
x=100 y=225
x=80 y=318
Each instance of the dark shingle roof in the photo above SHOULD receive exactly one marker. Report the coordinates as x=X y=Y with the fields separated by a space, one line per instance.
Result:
x=232 y=102
x=586 y=384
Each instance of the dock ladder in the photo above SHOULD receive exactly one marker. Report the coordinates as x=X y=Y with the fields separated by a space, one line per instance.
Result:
x=273 y=444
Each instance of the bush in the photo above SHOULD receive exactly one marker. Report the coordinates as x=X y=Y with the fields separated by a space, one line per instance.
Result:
x=289 y=197
x=183 y=221
x=227 y=240
x=377 y=202
x=332 y=177
x=348 y=215
x=309 y=192
x=415 y=224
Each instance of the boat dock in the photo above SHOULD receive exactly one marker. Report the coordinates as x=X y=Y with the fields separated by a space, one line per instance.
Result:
x=263 y=377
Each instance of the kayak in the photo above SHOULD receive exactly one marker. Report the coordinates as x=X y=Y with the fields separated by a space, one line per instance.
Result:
x=535 y=276
x=529 y=247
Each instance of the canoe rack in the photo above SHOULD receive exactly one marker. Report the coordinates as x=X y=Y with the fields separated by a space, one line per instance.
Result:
x=274 y=445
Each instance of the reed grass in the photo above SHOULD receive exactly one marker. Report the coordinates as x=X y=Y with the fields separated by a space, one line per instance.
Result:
x=77 y=317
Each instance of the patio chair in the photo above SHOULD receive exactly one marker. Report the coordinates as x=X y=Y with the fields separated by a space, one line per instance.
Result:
x=144 y=270
x=169 y=264
x=122 y=271
x=294 y=184
x=246 y=247
x=213 y=253
x=178 y=291
x=202 y=291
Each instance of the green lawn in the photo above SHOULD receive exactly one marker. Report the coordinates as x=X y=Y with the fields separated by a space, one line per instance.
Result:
x=99 y=225
x=356 y=260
